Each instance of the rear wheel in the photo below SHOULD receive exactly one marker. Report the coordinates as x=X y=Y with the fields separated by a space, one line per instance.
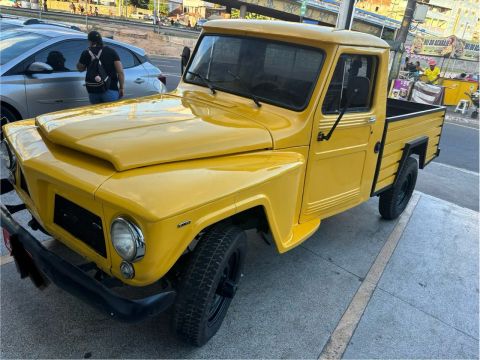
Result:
x=394 y=201
x=209 y=283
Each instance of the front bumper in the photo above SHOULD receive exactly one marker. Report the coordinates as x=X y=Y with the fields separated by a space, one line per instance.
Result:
x=37 y=262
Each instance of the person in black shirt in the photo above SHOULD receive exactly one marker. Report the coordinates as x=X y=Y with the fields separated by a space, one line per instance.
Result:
x=112 y=65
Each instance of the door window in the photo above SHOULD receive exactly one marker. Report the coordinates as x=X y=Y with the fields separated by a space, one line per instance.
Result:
x=63 y=56
x=348 y=67
x=127 y=59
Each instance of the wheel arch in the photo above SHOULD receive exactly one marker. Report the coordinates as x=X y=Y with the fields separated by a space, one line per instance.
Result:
x=418 y=147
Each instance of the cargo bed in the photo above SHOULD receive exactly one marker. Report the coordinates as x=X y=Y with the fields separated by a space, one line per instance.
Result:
x=409 y=127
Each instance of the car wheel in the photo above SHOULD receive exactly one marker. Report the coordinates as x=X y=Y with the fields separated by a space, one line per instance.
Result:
x=394 y=201
x=209 y=283
x=6 y=116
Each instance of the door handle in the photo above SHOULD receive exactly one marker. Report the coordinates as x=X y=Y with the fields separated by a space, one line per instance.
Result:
x=139 y=81
x=372 y=119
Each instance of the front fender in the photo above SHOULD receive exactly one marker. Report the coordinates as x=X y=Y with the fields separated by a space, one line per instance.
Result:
x=173 y=203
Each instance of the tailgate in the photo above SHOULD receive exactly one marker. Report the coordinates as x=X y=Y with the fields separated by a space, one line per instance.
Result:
x=400 y=130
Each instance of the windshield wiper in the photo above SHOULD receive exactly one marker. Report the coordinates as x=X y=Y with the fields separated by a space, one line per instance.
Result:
x=204 y=80
x=249 y=92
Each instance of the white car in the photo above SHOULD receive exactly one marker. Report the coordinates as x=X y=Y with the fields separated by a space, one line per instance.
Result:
x=32 y=84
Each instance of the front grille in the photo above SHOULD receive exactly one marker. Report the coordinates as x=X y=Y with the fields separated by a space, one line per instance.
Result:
x=81 y=223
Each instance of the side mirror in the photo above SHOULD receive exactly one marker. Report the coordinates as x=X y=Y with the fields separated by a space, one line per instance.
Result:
x=184 y=58
x=39 y=67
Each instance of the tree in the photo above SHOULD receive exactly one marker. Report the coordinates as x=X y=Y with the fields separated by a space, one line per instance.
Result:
x=163 y=6
x=142 y=4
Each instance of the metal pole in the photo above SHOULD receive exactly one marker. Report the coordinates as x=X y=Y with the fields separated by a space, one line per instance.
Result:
x=463 y=36
x=401 y=38
x=345 y=15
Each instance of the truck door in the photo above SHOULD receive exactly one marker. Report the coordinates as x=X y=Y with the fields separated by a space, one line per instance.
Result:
x=340 y=170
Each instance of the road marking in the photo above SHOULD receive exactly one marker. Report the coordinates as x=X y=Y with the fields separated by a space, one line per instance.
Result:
x=342 y=334
x=464 y=126
x=457 y=168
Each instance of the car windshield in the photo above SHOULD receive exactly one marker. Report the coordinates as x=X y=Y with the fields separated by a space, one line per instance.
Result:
x=279 y=73
x=14 y=43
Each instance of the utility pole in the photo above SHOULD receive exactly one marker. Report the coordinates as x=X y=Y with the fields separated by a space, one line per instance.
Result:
x=401 y=38
x=345 y=15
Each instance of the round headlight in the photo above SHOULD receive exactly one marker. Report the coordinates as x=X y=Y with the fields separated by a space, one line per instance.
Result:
x=127 y=239
x=8 y=157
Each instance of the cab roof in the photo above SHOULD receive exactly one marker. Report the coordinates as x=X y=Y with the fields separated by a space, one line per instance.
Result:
x=293 y=31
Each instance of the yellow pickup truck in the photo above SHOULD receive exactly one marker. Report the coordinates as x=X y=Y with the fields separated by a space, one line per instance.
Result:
x=274 y=126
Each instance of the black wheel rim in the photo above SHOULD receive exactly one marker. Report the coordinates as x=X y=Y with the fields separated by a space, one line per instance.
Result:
x=220 y=302
x=405 y=191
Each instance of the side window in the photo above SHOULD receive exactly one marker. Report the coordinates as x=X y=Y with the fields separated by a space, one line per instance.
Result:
x=126 y=56
x=62 y=56
x=348 y=67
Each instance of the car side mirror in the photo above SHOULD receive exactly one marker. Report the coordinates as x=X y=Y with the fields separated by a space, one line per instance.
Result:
x=184 y=58
x=39 y=67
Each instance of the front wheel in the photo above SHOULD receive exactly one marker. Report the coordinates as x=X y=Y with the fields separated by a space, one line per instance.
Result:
x=208 y=283
x=395 y=200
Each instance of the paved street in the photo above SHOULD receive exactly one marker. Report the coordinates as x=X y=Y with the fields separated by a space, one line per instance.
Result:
x=170 y=68
x=424 y=302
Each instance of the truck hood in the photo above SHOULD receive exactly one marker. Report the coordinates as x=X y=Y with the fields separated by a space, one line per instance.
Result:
x=153 y=130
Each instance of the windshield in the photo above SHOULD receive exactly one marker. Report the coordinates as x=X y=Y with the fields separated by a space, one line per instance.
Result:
x=274 y=72
x=14 y=43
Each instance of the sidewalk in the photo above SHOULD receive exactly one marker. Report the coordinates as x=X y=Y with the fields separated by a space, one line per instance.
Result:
x=288 y=306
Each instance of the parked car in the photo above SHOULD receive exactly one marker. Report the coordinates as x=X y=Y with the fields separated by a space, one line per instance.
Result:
x=141 y=16
x=275 y=126
x=30 y=86
x=14 y=22
x=200 y=22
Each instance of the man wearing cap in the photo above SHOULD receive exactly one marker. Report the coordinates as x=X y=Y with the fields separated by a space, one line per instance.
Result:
x=432 y=73
x=110 y=62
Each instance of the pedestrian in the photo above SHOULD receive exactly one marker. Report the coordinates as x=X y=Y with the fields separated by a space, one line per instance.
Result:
x=45 y=8
x=104 y=78
x=82 y=9
x=432 y=72
x=90 y=11
x=73 y=8
x=418 y=67
x=96 y=11
x=407 y=63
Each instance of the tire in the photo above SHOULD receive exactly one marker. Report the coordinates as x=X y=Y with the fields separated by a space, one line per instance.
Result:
x=8 y=114
x=474 y=114
x=394 y=201
x=208 y=283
